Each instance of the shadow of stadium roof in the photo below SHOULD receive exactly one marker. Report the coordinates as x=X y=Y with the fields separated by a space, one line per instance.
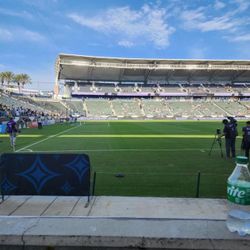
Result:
x=90 y=68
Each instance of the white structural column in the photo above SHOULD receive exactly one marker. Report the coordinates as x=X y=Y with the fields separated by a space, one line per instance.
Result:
x=57 y=72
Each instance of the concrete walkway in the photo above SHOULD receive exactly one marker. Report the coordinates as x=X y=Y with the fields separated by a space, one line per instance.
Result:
x=133 y=222
x=112 y=206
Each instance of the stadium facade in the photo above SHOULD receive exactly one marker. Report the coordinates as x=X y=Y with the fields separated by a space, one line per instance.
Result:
x=75 y=71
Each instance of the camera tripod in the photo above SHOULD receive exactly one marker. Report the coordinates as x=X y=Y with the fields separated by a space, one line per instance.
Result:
x=217 y=139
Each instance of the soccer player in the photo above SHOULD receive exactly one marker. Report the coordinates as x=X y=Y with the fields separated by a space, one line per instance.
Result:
x=12 y=130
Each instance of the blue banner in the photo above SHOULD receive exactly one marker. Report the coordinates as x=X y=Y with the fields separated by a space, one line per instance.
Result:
x=3 y=128
x=45 y=174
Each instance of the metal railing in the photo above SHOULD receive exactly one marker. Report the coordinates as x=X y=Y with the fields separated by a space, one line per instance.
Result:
x=160 y=184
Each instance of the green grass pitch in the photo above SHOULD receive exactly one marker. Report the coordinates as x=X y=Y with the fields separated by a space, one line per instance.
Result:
x=157 y=158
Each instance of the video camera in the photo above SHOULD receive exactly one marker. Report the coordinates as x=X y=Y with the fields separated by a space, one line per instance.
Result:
x=218 y=131
x=232 y=120
x=218 y=135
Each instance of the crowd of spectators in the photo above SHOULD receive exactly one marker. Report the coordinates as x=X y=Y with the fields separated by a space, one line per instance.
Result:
x=6 y=111
x=25 y=115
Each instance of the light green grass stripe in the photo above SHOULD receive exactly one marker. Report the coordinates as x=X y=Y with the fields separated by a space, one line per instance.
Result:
x=135 y=136
x=147 y=121
x=24 y=136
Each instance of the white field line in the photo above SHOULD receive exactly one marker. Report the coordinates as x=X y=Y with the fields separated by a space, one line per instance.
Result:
x=49 y=137
x=27 y=150
x=203 y=150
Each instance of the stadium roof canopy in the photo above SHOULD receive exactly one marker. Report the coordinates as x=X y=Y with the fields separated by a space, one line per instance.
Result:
x=90 y=68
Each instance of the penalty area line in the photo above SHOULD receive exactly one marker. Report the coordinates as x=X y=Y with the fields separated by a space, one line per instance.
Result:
x=47 y=138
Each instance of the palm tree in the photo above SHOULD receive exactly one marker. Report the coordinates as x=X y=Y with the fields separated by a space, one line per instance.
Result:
x=22 y=79
x=2 y=77
x=8 y=76
x=17 y=80
x=25 y=79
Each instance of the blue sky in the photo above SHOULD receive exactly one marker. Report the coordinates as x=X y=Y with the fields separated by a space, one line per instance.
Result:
x=34 y=32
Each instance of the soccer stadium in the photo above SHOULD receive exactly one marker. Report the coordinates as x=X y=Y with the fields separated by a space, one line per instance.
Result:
x=124 y=125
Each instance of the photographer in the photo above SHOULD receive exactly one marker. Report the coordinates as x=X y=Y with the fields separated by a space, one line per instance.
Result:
x=230 y=133
x=246 y=138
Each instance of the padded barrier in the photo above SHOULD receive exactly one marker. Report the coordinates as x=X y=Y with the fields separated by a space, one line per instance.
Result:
x=45 y=174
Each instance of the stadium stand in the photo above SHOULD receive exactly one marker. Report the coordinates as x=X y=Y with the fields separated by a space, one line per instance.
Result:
x=74 y=106
x=18 y=105
x=96 y=108
x=156 y=108
x=189 y=107
x=232 y=108
x=210 y=109
x=53 y=106
x=127 y=108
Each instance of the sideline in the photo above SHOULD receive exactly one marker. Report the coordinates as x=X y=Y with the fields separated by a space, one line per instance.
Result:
x=49 y=137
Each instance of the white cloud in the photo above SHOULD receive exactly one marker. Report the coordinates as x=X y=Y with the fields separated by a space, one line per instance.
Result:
x=197 y=20
x=147 y=24
x=20 y=34
x=219 y=5
x=32 y=36
x=5 y=35
x=219 y=23
x=242 y=5
x=232 y=25
x=22 y=14
x=240 y=38
x=90 y=23
x=126 y=44
x=190 y=16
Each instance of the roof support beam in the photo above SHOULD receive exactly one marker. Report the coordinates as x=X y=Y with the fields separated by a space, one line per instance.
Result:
x=235 y=76
x=91 y=69
x=121 y=74
x=211 y=76
x=90 y=73
x=190 y=75
x=169 y=75
x=146 y=74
